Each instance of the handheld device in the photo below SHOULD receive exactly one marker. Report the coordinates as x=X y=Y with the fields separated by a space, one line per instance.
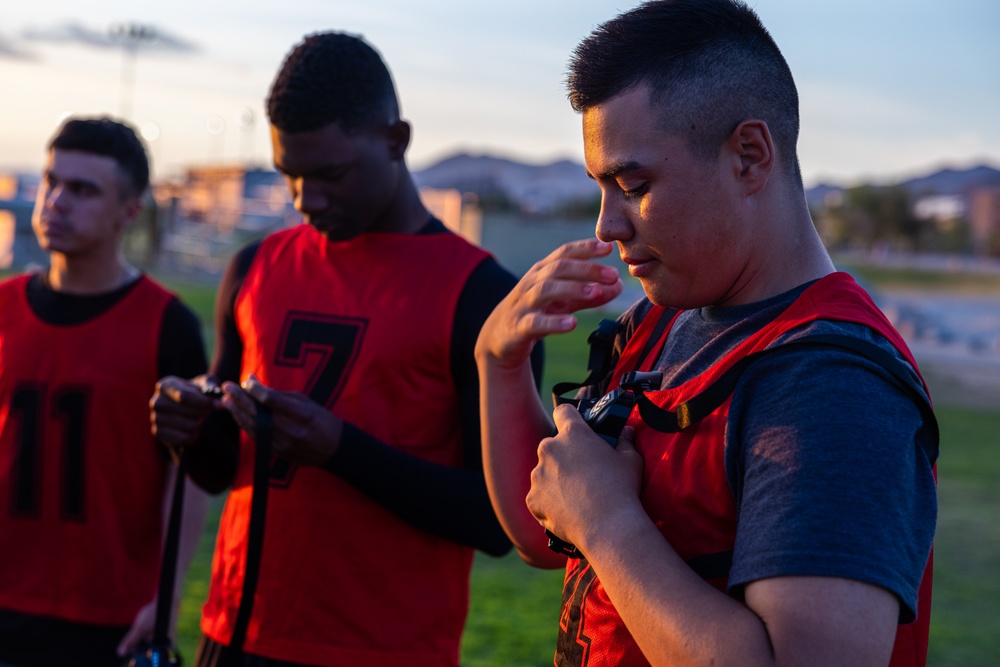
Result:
x=607 y=416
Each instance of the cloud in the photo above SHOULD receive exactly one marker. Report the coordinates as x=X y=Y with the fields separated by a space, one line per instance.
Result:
x=10 y=51
x=146 y=38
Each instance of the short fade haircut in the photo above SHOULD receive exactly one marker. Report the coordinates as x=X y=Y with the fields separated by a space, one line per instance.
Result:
x=710 y=64
x=110 y=138
x=332 y=78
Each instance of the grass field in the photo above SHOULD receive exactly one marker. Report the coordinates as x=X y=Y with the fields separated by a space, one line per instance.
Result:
x=514 y=608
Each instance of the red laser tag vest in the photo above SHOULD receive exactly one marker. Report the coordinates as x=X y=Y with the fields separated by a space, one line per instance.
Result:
x=364 y=327
x=686 y=493
x=81 y=478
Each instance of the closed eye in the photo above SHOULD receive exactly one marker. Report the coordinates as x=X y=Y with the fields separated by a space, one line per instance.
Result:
x=636 y=192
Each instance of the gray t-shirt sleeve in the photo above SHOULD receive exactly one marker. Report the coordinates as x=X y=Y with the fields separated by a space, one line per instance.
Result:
x=831 y=466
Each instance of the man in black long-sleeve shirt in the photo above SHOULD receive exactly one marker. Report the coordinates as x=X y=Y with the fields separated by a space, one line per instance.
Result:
x=357 y=331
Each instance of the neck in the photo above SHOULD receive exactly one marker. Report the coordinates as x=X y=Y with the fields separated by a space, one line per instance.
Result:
x=801 y=256
x=788 y=252
x=85 y=277
x=408 y=214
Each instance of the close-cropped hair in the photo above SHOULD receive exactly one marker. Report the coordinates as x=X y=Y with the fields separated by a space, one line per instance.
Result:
x=110 y=138
x=709 y=65
x=332 y=78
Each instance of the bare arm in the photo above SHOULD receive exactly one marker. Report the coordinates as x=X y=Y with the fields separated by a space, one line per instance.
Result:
x=513 y=417
x=678 y=619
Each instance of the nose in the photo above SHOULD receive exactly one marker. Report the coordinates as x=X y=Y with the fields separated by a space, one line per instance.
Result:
x=309 y=197
x=57 y=197
x=612 y=222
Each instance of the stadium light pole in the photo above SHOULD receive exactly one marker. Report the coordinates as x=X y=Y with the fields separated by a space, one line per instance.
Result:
x=131 y=36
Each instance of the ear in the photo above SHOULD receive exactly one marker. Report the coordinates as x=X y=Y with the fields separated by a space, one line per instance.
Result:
x=398 y=139
x=131 y=208
x=751 y=142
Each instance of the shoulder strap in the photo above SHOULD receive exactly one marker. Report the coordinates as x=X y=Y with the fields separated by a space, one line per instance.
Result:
x=699 y=407
x=601 y=342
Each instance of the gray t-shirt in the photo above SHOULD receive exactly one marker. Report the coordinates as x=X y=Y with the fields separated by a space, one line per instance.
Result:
x=827 y=454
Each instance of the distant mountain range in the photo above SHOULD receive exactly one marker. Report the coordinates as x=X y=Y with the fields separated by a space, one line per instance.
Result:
x=543 y=188
x=536 y=188
x=944 y=182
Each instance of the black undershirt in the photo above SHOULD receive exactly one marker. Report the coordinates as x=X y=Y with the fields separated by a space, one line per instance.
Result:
x=449 y=502
x=184 y=356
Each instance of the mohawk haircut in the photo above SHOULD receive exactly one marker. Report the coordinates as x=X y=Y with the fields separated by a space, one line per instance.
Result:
x=332 y=78
x=709 y=65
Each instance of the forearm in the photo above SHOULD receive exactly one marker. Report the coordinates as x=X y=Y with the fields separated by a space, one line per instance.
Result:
x=514 y=421
x=674 y=615
x=446 y=501
x=192 y=527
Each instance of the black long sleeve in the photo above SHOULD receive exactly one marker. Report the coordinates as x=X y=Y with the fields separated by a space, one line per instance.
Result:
x=211 y=462
x=450 y=502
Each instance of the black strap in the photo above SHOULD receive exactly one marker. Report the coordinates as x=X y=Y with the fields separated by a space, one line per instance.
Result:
x=699 y=407
x=661 y=324
x=168 y=563
x=255 y=532
x=601 y=342
x=599 y=362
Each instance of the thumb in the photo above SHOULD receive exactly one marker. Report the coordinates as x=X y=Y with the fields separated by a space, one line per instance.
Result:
x=626 y=441
x=255 y=388
x=289 y=403
x=130 y=641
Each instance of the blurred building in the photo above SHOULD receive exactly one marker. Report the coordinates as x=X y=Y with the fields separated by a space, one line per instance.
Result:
x=18 y=246
x=459 y=213
x=984 y=220
x=212 y=210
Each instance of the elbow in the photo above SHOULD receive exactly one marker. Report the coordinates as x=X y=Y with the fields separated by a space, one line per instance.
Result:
x=496 y=544
x=543 y=561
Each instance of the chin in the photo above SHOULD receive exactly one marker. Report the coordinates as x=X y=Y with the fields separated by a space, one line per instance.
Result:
x=668 y=299
x=335 y=233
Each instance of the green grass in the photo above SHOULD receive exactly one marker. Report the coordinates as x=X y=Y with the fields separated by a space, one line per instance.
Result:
x=514 y=608
x=965 y=619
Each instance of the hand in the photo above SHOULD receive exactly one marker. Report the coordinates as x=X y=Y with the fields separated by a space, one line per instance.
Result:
x=580 y=484
x=542 y=302
x=304 y=431
x=178 y=408
x=142 y=628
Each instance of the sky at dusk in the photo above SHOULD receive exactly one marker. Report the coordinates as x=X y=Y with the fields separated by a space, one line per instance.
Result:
x=888 y=89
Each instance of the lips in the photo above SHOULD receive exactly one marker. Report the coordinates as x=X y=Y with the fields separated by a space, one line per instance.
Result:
x=638 y=267
x=53 y=227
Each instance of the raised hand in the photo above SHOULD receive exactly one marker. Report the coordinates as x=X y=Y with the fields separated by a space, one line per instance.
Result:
x=543 y=301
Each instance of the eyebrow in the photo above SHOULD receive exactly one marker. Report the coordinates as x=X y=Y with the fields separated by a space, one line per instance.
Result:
x=281 y=169
x=616 y=169
x=72 y=182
